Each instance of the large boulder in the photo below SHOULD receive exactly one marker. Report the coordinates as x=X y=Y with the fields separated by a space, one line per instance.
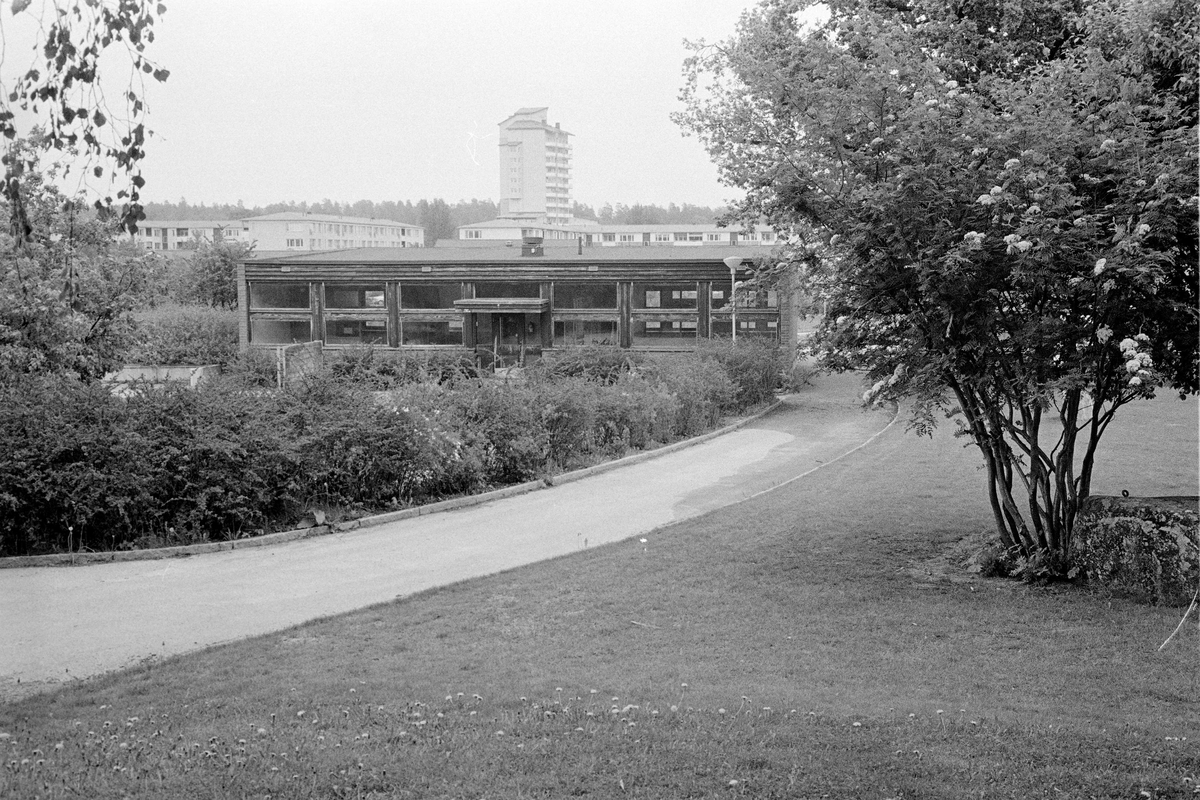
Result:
x=1147 y=547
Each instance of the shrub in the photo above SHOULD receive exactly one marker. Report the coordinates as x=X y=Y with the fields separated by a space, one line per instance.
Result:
x=252 y=369
x=567 y=413
x=594 y=363
x=185 y=335
x=503 y=421
x=83 y=469
x=755 y=368
x=701 y=389
x=381 y=370
x=633 y=414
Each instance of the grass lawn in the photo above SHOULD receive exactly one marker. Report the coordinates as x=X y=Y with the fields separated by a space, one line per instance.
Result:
x=802 y=644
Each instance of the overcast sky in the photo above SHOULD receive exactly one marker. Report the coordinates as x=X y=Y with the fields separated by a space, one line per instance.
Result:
x=272 y=100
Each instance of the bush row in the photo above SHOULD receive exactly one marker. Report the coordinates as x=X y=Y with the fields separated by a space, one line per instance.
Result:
x=173 y=334
x=84 y=469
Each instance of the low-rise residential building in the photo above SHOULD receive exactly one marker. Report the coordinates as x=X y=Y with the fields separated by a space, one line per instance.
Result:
x=507 y=304
x=286 y=231
x=596 y=234
x=185 y=234
x=297 y=230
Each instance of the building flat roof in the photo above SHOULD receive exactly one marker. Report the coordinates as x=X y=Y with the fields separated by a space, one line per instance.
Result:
x=304 y=215
x=499 y=253
x=188 y=223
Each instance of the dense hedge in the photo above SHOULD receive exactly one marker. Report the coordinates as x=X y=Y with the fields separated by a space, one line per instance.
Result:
x=175 y=334
x=84 y=469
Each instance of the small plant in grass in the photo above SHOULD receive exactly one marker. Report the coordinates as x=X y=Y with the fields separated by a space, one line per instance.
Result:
x=366 y=741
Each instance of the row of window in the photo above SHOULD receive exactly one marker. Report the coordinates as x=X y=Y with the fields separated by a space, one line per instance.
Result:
x=425 y=333
x=598 y=296
x=344 y=229
x=164 y=232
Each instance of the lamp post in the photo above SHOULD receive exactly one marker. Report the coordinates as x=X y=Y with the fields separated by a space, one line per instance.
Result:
x=733 y=262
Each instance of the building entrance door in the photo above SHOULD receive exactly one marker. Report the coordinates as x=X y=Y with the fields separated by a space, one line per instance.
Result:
x=509 y=340
x=505 y=339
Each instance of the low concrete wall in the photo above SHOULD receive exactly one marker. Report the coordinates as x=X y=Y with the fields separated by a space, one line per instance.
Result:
x=160 y=374
x=1147 y=547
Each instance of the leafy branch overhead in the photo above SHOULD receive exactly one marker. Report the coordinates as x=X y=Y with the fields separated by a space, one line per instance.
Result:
x=62 y=90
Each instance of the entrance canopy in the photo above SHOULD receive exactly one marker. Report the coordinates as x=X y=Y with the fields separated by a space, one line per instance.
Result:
x=505 y=305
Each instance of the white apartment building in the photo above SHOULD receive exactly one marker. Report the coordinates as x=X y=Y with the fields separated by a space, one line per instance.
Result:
x=595 y=234
x=183 y=234
x=535 y=168
x=288 y=230
x=297 y=230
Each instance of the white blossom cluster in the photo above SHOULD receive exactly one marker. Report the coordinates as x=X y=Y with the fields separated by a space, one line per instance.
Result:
x=1138 y=363
x=874 y=395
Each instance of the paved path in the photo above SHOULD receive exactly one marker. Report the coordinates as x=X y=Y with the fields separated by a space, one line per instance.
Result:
x=64 y=623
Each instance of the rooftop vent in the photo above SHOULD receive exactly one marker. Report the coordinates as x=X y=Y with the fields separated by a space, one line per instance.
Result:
x=532 y=246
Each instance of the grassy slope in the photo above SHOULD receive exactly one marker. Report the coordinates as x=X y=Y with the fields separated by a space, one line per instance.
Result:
x=804 y=601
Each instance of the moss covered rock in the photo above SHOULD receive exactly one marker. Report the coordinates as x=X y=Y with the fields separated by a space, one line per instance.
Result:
x=1147 y=547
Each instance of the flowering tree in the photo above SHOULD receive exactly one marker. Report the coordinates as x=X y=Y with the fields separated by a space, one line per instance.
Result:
x=1005 y=192
x=65 y=287
x=67 y=290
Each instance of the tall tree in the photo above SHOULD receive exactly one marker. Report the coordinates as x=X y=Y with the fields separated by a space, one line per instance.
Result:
x=1006 y=194
x=66 y=290
x=211 y=271
x=435 y=217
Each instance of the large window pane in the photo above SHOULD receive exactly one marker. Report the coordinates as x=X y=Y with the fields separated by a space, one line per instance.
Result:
x=576 y=333
x=585 y=295
x=660 y=332
x=423 y=332
x=664 y=295
x=279 y=331
x=356 y=331
x=429 y=295
x=493 y=290
x=355 y=296
x=278 y=295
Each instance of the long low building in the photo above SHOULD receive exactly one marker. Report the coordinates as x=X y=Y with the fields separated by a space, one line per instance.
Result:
x=633 y=235
x=508 y=304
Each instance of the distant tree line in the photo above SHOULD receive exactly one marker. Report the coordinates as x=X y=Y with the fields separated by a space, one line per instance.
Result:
x=640 y=214
x=437 y=217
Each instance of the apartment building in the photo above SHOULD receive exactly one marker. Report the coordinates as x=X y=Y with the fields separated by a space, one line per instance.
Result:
x=535 y=168
x=297 y=230
x=285 y=231
x=184 y=234
x=596 y=235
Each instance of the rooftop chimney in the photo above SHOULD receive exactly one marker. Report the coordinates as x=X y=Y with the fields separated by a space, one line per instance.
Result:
x=532 y=246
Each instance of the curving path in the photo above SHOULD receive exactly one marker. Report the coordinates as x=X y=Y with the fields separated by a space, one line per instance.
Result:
x=64 y=623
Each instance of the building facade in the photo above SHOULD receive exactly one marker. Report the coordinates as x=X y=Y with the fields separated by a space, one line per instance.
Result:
x=287 y=231
x=598 y=235
x=300 y=231
x=535 y=168
x=507 y=305
x=185 y=234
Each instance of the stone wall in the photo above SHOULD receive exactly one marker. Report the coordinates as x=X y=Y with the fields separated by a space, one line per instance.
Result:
x=1147 y=547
